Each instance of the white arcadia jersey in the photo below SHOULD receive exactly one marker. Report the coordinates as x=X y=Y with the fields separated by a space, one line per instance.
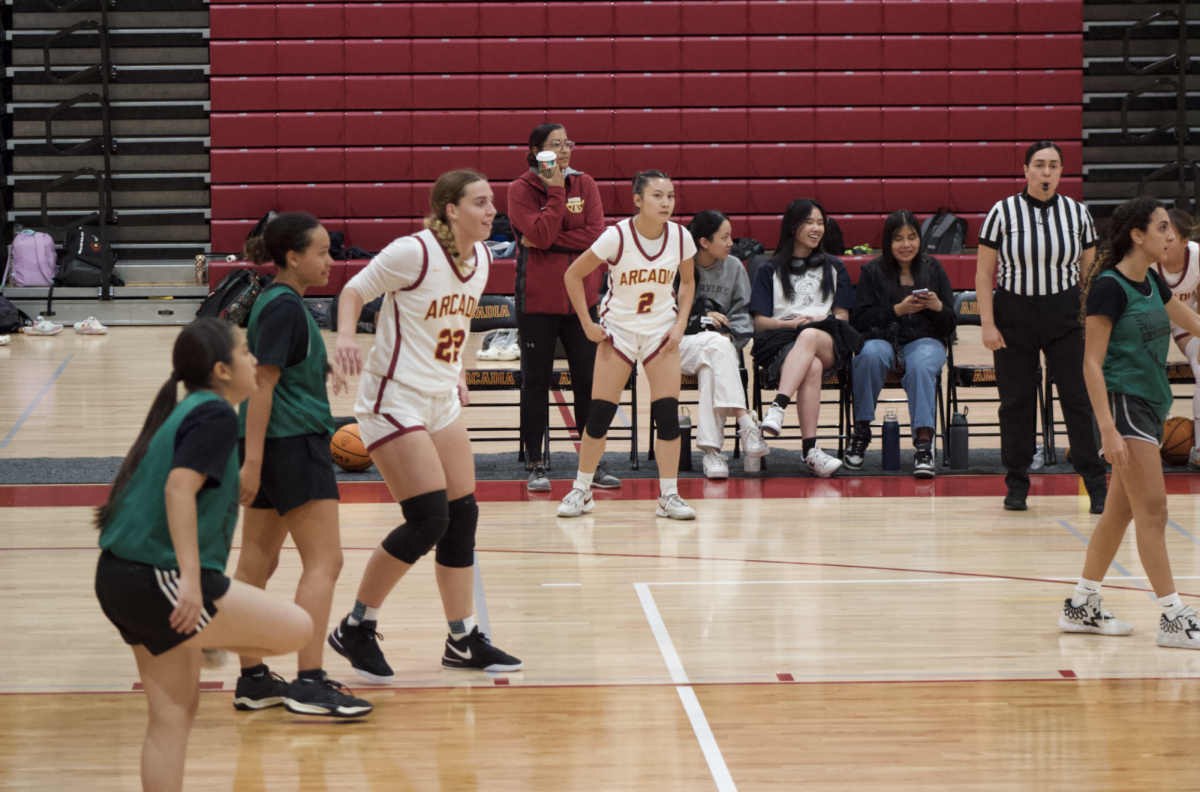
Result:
x=427 y=310
x=641 y=276
x=1184 y=285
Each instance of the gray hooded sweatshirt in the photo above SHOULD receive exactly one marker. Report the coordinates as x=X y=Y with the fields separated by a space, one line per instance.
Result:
x=727 y=284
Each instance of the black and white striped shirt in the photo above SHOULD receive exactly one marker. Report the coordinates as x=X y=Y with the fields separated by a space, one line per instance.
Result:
x=1038 y=243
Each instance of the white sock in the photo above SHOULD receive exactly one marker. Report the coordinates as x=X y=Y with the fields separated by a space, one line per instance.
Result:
x=583 y=481
x=461 y=629
x=1171 y=605
x=1083 y=590
x=668 y=487
x=746 y=422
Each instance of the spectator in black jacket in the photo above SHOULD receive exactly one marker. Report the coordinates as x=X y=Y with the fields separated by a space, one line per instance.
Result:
x=904 y=305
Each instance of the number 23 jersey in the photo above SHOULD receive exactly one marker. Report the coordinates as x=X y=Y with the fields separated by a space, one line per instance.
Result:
x=426 y=315
x=641 y=276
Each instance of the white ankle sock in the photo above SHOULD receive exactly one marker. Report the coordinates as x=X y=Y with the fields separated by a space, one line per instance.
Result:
x=461 y=629
x=1083 y=590
x=583 y=481
x=362 y=613
x=746 y=422
x=1171 y=605
x=668 y=486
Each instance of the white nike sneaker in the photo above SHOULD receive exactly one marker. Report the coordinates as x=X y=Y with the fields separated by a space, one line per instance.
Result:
x=773 y=424
x=1091 y=617
x=820 y=463
x=1193 y=462
x=753 y=444
x=1182 y=632
x=674 y=507
x=575 y=503
x=715 y=466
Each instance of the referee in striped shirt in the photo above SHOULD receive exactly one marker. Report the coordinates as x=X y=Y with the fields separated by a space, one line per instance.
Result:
x=1041 y=241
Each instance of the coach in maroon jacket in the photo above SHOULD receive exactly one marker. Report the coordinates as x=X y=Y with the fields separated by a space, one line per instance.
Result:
x=556 y=219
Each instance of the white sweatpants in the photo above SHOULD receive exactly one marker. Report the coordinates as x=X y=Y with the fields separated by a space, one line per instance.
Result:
x=712 y=358
x=1192 y=350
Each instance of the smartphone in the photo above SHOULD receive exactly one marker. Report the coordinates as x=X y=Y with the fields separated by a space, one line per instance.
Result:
x=920 y=292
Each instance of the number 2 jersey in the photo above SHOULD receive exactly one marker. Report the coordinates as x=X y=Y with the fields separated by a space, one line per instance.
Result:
x=426 y=315
x=641 y=277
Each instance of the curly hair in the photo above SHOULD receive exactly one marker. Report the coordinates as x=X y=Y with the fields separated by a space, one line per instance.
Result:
x=449 y=189
x=1117 y=243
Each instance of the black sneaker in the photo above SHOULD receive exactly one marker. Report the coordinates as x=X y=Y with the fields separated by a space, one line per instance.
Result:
x=923 y=463
x=1015 y=500
x=475 y=652
x=603 y=479
x=324 y=697
x=1098 y=497
x=260 y=692
x=360 y=645
x=860 y=438
x=538 y=481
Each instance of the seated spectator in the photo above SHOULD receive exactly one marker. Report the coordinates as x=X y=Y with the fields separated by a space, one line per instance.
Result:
x=801 y=301
x=1180 y=269
x=711 y=351
x=904 y=307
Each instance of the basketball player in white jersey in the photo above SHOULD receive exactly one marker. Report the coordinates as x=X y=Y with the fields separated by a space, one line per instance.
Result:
x=639 y=321
x=409 y=403
x=1180 y=268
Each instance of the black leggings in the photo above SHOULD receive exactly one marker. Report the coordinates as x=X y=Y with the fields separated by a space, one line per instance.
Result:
x=539 y=335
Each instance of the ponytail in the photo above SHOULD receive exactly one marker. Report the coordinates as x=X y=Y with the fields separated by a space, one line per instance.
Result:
x=202 y=344
x=1116 y=243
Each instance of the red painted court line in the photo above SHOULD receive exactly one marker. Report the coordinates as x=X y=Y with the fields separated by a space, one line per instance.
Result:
x=203 y=686
x=44 y=495
x=1068 y=674
x=784 y=677
x=567 y=417
x=500 y=681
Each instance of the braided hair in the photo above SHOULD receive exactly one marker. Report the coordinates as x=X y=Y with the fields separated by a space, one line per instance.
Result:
x=1117 y=242
x=450 y=189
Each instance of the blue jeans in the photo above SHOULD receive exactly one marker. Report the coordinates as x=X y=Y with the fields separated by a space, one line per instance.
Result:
x=923 y=360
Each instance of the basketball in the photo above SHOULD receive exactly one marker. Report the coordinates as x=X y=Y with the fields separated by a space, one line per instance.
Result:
x=1177 y=440
x=348 y=451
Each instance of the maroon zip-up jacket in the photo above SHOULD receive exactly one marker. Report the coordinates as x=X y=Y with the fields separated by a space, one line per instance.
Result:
x=561 y=222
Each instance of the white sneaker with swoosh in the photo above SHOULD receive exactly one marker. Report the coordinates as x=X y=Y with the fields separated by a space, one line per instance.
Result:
x=474 y=652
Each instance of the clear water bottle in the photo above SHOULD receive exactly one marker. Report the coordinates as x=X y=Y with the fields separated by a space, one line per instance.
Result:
x=891 y=441
x=1039 y=459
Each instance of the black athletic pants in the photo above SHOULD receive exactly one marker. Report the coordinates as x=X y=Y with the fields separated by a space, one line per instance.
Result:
x=539 y=334
x=1047 y=324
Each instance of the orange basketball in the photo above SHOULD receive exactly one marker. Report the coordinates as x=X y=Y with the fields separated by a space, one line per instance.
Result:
x=348 y=450
x=1178 y=437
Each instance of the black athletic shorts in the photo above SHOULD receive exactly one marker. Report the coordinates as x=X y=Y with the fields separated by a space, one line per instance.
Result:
x=295 y=470
x=139 y=598
x=1135 y=420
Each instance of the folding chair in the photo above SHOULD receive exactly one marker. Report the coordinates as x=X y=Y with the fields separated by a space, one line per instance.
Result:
x=691 y=382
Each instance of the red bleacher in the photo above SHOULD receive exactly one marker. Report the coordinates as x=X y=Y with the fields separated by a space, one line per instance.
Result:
x=351 y=110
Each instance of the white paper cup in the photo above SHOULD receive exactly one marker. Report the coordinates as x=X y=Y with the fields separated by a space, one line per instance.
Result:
x=546 y=161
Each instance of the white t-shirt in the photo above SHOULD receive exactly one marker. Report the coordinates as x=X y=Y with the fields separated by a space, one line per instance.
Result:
x=641 y=276
x=1184 y=285
x=808 y=298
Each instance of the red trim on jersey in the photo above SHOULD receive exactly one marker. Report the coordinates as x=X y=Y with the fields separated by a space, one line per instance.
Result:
x=620 y=251
x=421 y=277
x=680 y=248
x=666 y=239
x=657 y=349
x=396 y=349
x=453 y=266
x=403 y=430
x=609 y=341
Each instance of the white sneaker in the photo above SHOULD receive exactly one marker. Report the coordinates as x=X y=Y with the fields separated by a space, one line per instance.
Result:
x=90 y=326
x=1193 y=462
x=715 y=465
x=575 y=503
x=773 y=424
x=821 y=463
x=488 y=349
x=43 y=327
x=1182 y=632
x=753 y=444
x=674 y=507
x=512 y=346
x=4 y=340
x=1091 y=617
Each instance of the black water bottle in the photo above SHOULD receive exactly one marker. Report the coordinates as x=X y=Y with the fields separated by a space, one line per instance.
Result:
x=960 y=433
x=891 y=441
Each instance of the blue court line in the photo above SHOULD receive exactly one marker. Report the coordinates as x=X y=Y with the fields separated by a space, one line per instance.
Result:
x=1181 y=530
x=1135 y=581
x=29 y=410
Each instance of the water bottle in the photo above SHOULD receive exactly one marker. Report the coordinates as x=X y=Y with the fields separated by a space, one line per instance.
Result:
x=960 y=434
x=1039 y=459
x=891 y=441
x=751 y=464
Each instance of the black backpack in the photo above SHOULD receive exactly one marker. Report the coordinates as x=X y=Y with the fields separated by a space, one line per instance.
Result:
x=944 y=232
x=744 y=248
x=82 y=260
x=833 y=242
x=234 y=296
x=366 y=319
x=12 y=318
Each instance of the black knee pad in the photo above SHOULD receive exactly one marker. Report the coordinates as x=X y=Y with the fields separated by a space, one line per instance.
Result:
x=665 y=413
x=457 y=547
x=425 y=520
x=600 y=418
